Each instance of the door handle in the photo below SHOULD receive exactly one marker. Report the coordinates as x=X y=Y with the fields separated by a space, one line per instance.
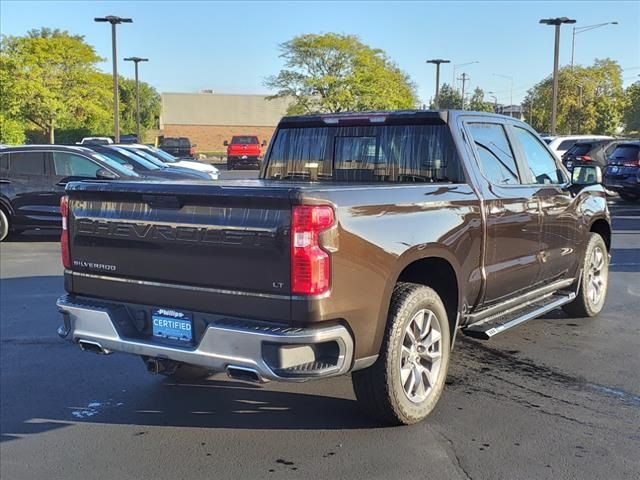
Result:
x=4 y=181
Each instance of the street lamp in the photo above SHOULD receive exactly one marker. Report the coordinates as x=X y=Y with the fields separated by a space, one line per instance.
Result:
x=556 y=22
x=113 y=20
x=437 y=62
x=453 y=83
x=136 y=61
x=495 y=101
x=577 y=30
x=510 y=78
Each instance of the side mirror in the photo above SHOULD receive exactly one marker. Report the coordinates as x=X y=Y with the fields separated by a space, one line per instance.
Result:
x=104 y=174
x=225 y=143
x=585 y=175
x=264 y=143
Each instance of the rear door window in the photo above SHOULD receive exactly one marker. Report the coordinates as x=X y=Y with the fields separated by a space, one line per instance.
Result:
x=496 y=157
x=27 y=163
x=72 y=165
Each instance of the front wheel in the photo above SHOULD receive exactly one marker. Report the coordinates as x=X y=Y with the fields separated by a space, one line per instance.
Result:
x=592 y=289
x=4 y=225
x=405 y=383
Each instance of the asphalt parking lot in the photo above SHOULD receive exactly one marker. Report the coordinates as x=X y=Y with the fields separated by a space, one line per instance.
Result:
x=554 y=398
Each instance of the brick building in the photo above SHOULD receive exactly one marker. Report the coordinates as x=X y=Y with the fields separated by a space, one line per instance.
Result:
x=208 y=119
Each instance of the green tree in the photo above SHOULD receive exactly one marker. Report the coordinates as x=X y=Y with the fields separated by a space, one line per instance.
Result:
x=50 y=80
x=11 y=130
x=632 y=108
x=477 y=102
x=590 y=100
x=334 y=73
x=449 y=97
x=149 y=105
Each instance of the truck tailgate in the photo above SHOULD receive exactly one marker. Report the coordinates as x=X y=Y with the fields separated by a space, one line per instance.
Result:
x=223 y=247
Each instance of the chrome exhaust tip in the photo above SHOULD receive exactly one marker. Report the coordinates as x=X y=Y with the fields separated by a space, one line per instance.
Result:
x=244 y=374
x=93 y=347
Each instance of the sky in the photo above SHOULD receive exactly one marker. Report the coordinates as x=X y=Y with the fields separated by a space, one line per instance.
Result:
x=230 y=47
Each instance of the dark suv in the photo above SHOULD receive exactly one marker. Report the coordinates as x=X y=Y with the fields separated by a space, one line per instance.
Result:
x=590 y=152
x=622 y=174
x=180 y=147
x=33 y=178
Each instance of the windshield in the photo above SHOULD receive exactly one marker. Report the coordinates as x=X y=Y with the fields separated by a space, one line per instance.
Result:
x=407 y=153
x=580 y=149
x=159 y=155
x=124 y=171
x=123 y=157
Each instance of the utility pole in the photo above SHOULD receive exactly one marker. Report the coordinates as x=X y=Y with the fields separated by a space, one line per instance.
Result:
x=510 y=78
x=464 y=78
x=113 y=20
x=557 y=23
x=137 y=60
x=437 y=62
x=453 y=78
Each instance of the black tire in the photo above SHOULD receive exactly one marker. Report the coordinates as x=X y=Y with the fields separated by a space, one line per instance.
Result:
x=379 y=388
x=586 y=303
x=4 y=225
x=188 y=372
x=628 y=197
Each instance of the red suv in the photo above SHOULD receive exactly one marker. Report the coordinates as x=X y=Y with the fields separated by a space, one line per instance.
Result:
x=243 y=151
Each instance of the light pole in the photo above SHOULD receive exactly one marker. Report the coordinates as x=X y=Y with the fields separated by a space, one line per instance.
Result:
x=437 y=62
x=464 y=77
x=510 y=91
x=113 y=20
x=495 y=102
x=136 y=61
x=556 y=22
x=453 y=83
x=577 y=30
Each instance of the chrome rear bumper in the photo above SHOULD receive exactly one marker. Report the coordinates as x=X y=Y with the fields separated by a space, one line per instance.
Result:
x=224 y=345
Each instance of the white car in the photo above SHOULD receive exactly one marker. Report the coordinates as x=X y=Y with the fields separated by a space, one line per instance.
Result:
x=95 y=141
x=561 y=143
x=169 y=159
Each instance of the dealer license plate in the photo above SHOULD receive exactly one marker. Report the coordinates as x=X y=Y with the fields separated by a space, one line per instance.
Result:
x=173 y=324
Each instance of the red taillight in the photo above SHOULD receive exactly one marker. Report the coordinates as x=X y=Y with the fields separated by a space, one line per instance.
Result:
x=584 y=158
x=64 y=236
x=310 y=264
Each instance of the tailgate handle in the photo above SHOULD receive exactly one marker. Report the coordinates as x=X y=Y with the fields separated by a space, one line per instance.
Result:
x=162 y=201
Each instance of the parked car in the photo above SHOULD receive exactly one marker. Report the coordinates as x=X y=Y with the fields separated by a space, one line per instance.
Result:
x=95 y=141
x=33 y=177
x=367 y=243
x=622 y=174
x=560 y=144
x=179 y=147
x=589 y=152
x=168 y=159
x=129 y=138
x=244 y=151
x=148 y=168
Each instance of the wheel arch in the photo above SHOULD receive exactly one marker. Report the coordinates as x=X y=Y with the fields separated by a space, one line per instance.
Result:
x=602 y=228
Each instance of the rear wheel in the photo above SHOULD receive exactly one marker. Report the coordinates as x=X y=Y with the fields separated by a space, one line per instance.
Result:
x=4 y=225
x=592 y=290
x=405 y=383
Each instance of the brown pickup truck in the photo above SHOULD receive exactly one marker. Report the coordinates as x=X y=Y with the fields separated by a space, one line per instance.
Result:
x=367 y=243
